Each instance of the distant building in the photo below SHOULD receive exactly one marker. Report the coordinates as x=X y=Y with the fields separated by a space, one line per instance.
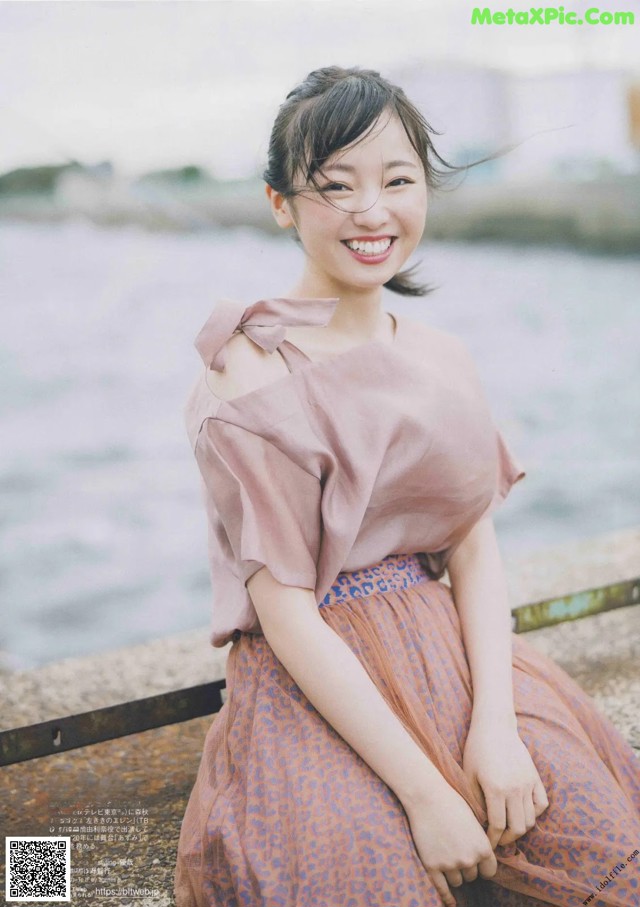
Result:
x=469 y=104
x=634 y=114
x=589 y=108
x=575 y=124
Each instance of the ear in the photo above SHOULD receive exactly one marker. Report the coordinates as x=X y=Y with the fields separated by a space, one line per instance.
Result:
x=279 y=207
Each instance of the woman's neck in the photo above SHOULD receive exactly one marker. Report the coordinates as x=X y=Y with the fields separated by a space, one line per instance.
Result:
x=357 y=318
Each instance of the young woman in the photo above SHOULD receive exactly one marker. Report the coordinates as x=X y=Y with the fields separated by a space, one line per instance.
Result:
x=386 y=739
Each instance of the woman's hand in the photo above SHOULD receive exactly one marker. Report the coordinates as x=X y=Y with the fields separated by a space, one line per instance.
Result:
x=451 y=843
x=502 y=772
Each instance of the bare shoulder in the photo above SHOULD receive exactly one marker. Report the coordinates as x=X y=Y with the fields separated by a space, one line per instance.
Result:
x=247 y=368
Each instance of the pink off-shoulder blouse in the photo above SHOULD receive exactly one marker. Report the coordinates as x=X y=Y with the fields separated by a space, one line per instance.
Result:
x=388 y=448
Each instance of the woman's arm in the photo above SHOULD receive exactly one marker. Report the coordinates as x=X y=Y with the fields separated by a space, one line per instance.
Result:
x=479 y=588
x=336 y=683
x=449 y=840
x=495 y=759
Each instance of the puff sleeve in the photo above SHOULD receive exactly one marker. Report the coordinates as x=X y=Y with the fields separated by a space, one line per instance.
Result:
x=509 y=471
x=263 y=509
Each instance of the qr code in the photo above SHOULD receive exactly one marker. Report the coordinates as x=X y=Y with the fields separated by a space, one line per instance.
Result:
x=38 y=869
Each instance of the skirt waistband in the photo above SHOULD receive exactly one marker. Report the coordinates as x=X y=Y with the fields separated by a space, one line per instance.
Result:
x=395 y=571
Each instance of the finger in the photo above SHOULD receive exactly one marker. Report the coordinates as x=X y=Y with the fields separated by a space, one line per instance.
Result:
x=497 y=816
x=442 y=888
x=488 y=867
x=529 y=811
x=515 y=815
x=454 y=877
x=470 y=874
x=540 y=799
x=507 y=837
x=478 y=791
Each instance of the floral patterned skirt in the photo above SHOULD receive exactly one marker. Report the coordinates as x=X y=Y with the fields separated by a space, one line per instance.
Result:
x=284 y=813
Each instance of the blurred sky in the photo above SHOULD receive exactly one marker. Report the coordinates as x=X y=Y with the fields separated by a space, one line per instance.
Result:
x=152 y=84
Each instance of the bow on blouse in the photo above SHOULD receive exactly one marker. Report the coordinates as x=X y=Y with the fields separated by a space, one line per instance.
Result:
x=263 y=322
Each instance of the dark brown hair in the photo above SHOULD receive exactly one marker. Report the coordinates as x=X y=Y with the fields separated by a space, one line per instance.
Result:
x=329 y=110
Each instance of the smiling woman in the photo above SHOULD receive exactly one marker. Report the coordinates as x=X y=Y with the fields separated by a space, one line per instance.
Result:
x=372 y=710
x=386 y=156
x=383 y=214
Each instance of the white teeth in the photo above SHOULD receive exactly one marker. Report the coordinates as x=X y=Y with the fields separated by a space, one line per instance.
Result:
x=369 y=248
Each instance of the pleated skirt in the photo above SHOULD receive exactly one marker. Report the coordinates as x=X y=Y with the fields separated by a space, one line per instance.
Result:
x=285 y=813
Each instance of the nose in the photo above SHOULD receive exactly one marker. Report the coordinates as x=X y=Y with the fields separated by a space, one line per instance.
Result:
x=369 y=208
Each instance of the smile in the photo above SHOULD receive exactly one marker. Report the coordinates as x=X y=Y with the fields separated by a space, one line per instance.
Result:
x=369 y=248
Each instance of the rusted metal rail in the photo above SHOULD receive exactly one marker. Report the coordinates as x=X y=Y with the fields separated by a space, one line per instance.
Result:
x=72 y=731
x=552 y=611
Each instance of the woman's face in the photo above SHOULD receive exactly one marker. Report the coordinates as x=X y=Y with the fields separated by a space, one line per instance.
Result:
x=377 y=198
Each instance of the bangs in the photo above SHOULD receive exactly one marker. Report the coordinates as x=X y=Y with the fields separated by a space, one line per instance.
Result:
x=333 y=120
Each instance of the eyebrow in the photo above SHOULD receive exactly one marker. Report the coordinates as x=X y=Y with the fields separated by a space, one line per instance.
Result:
x=388 y=166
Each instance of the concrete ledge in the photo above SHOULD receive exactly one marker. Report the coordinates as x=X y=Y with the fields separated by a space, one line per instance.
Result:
x=584 y=647
x=76 y=685
x=156 y=769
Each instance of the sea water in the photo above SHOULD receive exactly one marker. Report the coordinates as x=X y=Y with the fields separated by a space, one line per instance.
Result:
x=103 y=530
